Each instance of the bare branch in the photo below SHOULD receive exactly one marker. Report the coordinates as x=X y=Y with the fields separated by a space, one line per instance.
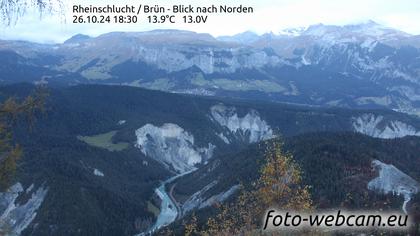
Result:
x=12 y=10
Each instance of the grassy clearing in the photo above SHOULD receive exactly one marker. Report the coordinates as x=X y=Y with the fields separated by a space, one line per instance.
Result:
x=239 y=85
x=104 y=141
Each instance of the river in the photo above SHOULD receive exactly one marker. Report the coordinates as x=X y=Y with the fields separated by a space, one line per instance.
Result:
x=168 y=209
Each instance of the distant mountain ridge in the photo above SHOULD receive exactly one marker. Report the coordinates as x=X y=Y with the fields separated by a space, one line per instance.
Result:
x=356 y=66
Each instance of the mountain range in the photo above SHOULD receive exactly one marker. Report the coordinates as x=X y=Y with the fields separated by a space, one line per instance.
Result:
x=355 y=66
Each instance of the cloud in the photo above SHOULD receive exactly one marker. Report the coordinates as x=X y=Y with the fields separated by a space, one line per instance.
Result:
x=269 y=16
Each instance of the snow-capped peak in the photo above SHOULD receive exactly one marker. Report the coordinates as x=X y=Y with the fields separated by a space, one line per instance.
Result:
x=293 y=31
x=353 y=32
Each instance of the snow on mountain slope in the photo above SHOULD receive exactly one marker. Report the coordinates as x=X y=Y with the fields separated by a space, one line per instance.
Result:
x=16 y=216
x=172 y=146
x=247 y=37
x=292 y=32
x=98 y=173
x=353 y=33
x=251 y=128
x=392 y=180
x=376 y=126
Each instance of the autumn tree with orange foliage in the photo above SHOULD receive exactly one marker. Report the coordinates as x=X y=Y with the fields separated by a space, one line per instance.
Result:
x=279 y=186
x=10 y=152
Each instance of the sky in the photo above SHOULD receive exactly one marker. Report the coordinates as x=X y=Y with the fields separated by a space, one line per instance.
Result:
x=268 y=16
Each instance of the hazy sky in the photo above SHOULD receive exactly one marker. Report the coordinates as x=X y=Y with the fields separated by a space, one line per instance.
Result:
x=269 y=15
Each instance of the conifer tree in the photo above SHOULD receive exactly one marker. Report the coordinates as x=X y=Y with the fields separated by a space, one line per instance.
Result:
x=10 y=152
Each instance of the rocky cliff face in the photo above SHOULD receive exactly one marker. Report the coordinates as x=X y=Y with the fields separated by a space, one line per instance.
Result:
x=176 y=148
x=208 y=59
x=15 y=214
x=170 y=51
x=379 y=127
x=250 y=128
x=392 y=180
x=172 y=146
